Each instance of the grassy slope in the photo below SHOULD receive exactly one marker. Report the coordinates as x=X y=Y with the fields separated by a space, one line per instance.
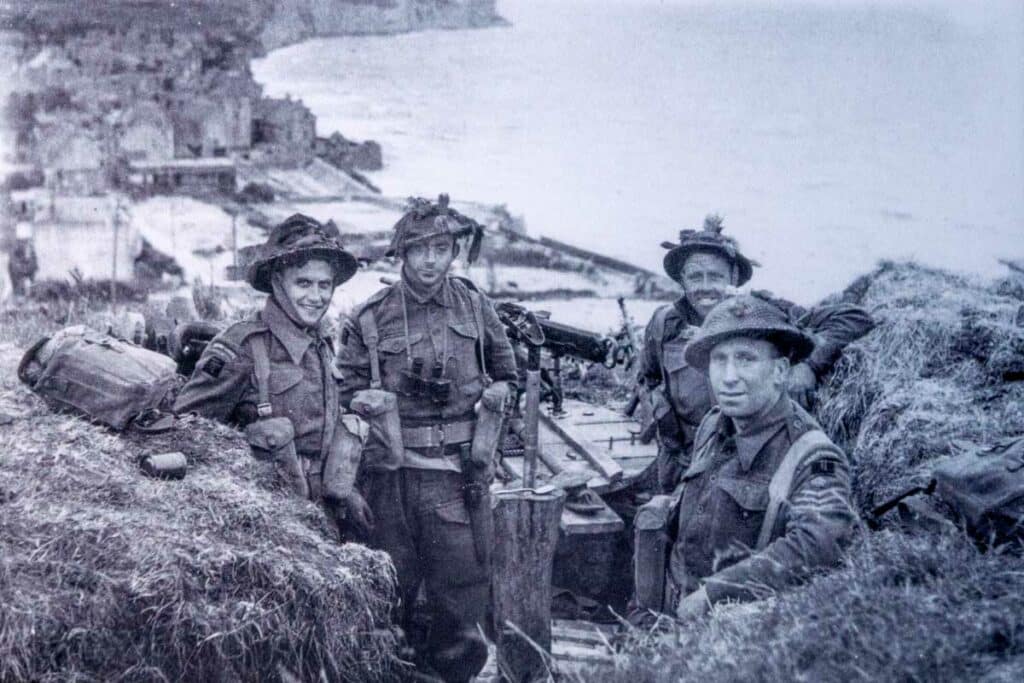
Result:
x=105 y=574
x=904 y=605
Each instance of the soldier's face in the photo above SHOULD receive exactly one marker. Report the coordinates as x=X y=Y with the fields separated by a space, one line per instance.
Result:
x=310 y=288
x=747 y=376
x=427 y=262
x=706 y=279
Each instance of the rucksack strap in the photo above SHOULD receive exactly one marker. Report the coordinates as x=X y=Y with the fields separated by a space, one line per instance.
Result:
x=658 y=333
x=368 y=328
x=478 y=314
x=261 y=363
x=781 y=484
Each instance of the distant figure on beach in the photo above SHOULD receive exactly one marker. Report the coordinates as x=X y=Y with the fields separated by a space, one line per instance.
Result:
x=708 y=264
x=22 y=266
x=433 y=346
x=766 y=497
x=272 y=374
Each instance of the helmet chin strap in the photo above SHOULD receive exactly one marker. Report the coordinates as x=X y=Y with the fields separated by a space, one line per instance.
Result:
x=285 y=303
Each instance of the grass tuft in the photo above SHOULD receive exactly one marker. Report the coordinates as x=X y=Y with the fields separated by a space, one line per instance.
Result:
x=904 y=605
x=108 y=575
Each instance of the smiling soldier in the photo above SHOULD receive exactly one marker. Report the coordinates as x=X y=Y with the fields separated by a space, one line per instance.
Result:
x=767 y=496
x=272 y=374
x=432 y=346
x=708 y=264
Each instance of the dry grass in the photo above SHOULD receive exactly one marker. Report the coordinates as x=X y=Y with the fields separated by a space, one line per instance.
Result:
x=108 y=575
x=943 y=364
x=935 y=370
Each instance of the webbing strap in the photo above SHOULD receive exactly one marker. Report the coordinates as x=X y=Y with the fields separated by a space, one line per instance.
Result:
x=261 y=361
x=368 y=328
x=782 y=481
x=658 y=334
x=478 y=314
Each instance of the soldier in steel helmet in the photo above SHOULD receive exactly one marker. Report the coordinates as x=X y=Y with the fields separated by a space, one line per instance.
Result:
x=434 y=345
x=707 y=264
x=766 y=497
x=272 y=374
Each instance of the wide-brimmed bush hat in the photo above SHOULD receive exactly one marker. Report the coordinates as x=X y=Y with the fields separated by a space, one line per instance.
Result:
x=707 y=239
x=297 y=237
x=752 y=317
x=424 y=219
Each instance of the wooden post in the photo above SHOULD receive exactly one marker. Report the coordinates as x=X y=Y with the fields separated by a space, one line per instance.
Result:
x=531 y=416
x=526 y=528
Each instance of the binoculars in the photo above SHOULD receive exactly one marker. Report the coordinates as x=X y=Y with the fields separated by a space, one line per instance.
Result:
x=414 y=384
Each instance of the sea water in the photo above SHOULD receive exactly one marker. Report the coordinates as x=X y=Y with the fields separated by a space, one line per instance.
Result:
x=828 y=135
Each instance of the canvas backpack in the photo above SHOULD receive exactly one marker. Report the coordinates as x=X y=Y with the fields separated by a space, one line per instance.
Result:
x=983 y=489
x=100 y=377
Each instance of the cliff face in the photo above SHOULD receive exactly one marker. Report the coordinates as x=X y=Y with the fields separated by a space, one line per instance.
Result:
x=274 y=23
x=291 y=21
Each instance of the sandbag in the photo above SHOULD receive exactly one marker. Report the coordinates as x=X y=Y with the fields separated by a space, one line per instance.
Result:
x=99 y=377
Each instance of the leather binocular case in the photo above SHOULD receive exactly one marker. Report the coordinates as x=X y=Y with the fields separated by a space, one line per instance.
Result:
x=380 y=410
x=273 y=439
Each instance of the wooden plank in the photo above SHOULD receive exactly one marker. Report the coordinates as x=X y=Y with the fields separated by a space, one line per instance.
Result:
x=579 y=654
x=603 y=522
x=601 y=461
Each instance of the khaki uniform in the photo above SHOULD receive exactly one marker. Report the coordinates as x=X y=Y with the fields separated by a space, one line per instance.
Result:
x=420 y=515
x=223 y=386
x=684 y=394
x=724 y=497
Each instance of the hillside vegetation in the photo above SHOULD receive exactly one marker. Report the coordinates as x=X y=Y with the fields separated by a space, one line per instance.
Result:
x=942 y=369
x=105 y=574
x=108 y=575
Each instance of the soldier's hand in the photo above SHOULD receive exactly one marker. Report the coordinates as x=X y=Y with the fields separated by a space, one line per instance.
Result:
x=354 y=515
x=495 y=396
x=694 y=605
x=802 y=383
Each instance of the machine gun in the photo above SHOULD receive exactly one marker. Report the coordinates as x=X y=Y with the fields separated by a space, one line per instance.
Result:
x=526 y=328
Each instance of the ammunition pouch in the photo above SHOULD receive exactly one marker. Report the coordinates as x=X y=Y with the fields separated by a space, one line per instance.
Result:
x=380 y=410
x=342 y=463
x=490 y=425
x=663 y=414
x=273 y=439
x=652 y=542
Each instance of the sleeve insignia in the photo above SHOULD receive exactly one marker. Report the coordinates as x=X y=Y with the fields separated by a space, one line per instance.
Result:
x=214 y=366
x=823 y=467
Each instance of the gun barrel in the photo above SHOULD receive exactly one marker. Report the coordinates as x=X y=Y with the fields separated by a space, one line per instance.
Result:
x=572 y=341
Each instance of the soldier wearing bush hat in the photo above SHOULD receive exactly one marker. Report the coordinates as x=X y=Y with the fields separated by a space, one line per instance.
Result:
x=766 y=497
x=271 y=374
x=427 y=360
x=708 y=265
